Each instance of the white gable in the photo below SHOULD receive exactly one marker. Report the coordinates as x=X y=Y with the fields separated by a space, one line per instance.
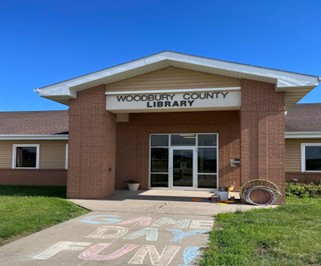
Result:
x=295 y=85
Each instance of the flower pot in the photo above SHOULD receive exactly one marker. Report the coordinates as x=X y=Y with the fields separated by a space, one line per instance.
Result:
x=133 y=186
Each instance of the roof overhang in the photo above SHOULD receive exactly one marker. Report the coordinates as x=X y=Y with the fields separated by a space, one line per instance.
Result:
x=288 y=135
x=294 y=85
x=303 y=135
x=33 y=137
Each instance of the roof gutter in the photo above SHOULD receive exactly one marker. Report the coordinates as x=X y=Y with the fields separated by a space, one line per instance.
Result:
x=303 y=135
x=33 y=137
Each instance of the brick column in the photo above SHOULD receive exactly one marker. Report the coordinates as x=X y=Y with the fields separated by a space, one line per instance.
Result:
x=262 y=133
x=92 y=145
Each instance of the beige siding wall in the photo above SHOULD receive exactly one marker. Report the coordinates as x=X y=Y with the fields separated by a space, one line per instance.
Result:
x=173 y=78
x=293 y=153
x=52 y=153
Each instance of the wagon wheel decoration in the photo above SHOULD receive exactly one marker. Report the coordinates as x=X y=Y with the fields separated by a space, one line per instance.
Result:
x=260 y=192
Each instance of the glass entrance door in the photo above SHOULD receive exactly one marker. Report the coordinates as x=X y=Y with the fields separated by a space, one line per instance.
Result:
x=182 y=167
x=184 y=161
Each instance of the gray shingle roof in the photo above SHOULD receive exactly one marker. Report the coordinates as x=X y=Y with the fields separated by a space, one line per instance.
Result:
x=304 y=118
x=39 y=122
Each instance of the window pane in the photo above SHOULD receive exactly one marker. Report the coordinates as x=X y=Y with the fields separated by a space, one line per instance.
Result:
x=183 y=168
x=159 y=160
x=207 y=140
x=183 y=140
x=159 y=140
x=206 y=181
x=313 y=158
x=26 y=156
x=159 y=180
x=207 y=160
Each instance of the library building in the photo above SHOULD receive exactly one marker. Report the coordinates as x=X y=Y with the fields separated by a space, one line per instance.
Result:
x=169 y=121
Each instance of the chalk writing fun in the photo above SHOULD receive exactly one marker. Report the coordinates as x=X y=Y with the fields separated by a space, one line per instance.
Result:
x=101 y=244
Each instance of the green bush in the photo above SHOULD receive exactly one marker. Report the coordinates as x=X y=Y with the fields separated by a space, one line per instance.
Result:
x=303 y=190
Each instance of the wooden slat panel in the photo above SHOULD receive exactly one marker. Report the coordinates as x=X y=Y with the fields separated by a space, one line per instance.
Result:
x=293 y=153
x=52 y=153
x=173 y=78
x=6 y=154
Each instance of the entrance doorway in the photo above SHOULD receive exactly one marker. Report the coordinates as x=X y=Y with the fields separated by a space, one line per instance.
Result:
x=182 y=166
x=185 y=161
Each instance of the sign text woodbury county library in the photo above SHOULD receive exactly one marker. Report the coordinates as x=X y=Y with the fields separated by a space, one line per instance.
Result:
x=221 y=98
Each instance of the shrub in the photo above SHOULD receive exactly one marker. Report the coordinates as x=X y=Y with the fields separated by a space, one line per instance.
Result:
x=303 y=190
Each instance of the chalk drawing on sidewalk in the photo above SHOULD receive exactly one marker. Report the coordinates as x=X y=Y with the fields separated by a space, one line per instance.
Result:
x=109 y=232
x=179 y=234
x=61 y=246
x=110 y=228
x=155 y=258
x=202 y=224
x=143 y=221
x=150 y=232
x=169 y=221
x=190 y=254
x=102 y=219
x=91 y=253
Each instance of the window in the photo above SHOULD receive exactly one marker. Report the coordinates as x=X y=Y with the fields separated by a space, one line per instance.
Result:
x=159 y=140
x=25 y=156
x=159 y=160
x=207 y=161
x=311 y=157
x=183 y=140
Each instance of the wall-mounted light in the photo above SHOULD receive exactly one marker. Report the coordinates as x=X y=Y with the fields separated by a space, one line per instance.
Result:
x=235 y=162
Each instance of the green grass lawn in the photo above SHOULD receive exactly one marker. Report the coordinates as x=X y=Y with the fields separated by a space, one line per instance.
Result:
x=287 y=235
x=24 y=210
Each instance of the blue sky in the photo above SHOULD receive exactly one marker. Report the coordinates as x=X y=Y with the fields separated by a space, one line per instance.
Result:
x=48 y=41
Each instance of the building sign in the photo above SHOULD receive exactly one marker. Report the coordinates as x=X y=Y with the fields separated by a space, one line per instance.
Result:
x=190 y=99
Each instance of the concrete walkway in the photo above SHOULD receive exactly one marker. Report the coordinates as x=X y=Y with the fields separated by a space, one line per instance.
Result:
x=163 y=201
x=142 y=228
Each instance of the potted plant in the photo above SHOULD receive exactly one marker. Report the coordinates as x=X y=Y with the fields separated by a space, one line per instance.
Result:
x=133 y=184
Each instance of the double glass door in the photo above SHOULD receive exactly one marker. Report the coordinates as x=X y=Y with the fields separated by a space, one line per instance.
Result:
x=184 y=161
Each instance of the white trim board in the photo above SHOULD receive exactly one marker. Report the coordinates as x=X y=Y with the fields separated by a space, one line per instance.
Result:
x=172 y=91
x=66 y=157
x=302 y=135
x=288 y=135
x=33 y=137
x=284 y=80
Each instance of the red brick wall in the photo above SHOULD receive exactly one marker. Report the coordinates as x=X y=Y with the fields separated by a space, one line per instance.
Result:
x=256 y=134
x=91 y=163
x=33 y=177
x=302 y=177
x=132 y=155
x=262 y=133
